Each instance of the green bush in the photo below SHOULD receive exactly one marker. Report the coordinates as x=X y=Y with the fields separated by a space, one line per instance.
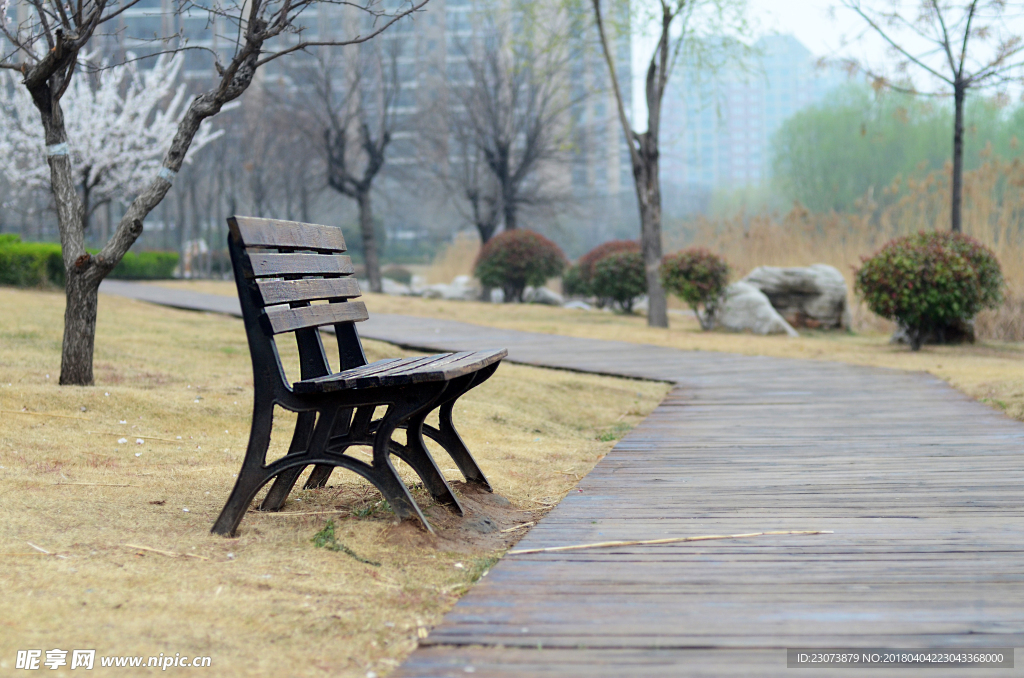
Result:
x=40 y=264
x=30 y=264
x=514 y=259
x=145 y=266
x=698 y=277
x=929 y=282
x=585 y=267
x=621 y=278
x=573 y=284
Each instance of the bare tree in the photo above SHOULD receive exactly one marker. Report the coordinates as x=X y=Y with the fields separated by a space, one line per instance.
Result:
x=356 y=93
x=449 y=152
x=46 y=46
x=509 y=110
x=688 y=25
x=960 y=46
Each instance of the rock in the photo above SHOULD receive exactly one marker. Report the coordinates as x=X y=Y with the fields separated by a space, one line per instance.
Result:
x=497 y=295
x=462 y=288
x=418 y=284
x=542 y=295
x=578 y=305
x=393 y=287
x=747 y=308
x=814 y=296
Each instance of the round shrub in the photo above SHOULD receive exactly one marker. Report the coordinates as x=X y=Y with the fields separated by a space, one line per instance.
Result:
x=589 y=260
x=573 y=284
x=514 y=259
x=620 y=277
x=698 y=277
x=929 y=282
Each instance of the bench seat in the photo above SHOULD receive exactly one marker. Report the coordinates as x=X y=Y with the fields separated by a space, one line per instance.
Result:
x=402 y=371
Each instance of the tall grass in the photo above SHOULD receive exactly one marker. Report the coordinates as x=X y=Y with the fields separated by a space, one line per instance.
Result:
x=456 y=258
x=993 y=214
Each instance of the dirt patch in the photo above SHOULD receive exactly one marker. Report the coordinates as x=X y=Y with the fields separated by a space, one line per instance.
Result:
x=490 y=523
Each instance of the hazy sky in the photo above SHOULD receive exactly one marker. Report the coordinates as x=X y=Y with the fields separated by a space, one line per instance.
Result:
x=809 y=20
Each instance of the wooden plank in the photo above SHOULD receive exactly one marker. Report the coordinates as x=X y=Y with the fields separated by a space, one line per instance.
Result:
x=307 y=289
x=440 y=367
x=257 y=232
x=266 y=265
x=284 y=319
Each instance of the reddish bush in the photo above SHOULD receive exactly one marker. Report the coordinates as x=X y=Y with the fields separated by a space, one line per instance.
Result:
x=929 y=282
x=698 y=277
x=579 y=279
x=514 y=259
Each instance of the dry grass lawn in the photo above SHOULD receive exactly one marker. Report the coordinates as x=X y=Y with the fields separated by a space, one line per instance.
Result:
x=176 y=387
x=992 y=372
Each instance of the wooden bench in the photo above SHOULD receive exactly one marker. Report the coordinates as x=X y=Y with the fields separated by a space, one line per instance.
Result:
x=281 y=268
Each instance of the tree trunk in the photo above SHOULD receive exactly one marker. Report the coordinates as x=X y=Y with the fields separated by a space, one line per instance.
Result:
x=510 y=216
x=957 y=188
x=370 y=258
x=81 y=296
x=648 y=190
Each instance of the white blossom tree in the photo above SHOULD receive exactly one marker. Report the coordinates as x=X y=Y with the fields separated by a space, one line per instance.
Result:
x=45 y=46
x=119 y=124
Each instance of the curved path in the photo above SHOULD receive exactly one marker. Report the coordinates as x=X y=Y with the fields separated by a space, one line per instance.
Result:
x=921 y=486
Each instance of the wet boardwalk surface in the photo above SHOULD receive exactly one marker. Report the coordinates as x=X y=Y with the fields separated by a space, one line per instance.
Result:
x=922 y=487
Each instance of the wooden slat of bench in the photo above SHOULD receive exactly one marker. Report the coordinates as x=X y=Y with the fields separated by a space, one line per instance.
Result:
x=284 y=319
x=441 y=367
x=258 y=232
x=265 y=265
x=310 y=289
x=441 y=370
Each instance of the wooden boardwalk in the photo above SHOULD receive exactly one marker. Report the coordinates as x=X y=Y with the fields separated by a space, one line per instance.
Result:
x=921 y=485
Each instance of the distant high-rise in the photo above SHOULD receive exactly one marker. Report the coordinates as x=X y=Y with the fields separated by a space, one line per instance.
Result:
x=717 y=133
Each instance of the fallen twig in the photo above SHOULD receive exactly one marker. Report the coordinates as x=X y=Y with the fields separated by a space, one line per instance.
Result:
x=542 y=503
x=670 y=540
x=519 y=527
x=169 y=554
x=44 y=414
x=99 y=484
x=38 y=548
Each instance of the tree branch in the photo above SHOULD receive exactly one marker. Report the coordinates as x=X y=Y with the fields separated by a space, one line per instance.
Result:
x=855 y=6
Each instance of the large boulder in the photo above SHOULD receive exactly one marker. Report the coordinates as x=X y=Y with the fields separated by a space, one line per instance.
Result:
x=814 y=296
x=746 y=308
x=542 y=295
x=462 y=288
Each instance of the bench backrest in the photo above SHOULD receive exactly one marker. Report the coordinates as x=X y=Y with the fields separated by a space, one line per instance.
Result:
x=281 y=267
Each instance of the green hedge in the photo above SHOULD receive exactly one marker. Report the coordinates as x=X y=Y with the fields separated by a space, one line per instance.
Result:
x=40 y=264
x=30 y=264
x=146 y=266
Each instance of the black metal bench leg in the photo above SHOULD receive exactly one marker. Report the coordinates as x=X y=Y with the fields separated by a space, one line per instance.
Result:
x=252 y=475
x=448 y=437
x=414 y=453
x=284 y=482
x=392 y=487
x=356 y=429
